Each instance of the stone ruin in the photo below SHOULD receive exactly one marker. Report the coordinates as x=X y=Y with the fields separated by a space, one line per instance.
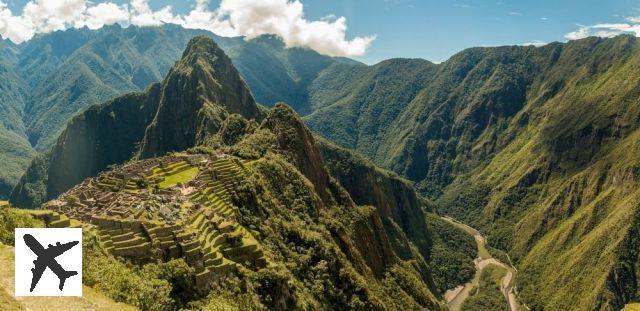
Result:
x=176 y=206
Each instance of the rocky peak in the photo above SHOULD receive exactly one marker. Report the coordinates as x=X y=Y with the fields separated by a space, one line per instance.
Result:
x=297 y=143
x=199 y=92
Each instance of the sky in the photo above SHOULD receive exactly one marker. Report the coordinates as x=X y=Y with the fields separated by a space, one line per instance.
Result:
x=365 y=30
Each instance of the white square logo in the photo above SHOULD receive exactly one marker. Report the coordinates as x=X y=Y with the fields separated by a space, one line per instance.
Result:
x=48 y=261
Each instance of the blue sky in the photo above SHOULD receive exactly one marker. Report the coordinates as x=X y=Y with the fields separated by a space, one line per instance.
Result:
x=435 y=30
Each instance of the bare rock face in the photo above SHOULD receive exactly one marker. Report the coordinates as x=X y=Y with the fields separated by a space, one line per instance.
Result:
x=295 y=140
x=198 y=94
x=398 y=205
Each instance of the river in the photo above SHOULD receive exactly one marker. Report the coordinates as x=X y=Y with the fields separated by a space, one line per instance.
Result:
x=455 y=297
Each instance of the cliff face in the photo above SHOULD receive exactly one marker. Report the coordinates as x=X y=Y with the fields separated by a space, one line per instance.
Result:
x=102 y=135
x=296 y=141
x=197 y=95
x=99 y=137
x=397 y=203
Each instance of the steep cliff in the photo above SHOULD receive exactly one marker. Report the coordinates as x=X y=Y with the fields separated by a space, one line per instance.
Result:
x=397 y=203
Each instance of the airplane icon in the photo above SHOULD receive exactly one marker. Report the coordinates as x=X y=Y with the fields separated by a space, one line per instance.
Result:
x=46 y=258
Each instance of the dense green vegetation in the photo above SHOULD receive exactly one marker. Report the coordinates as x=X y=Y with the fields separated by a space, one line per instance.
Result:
x=533 y=146
x=327 y=244
x=48 y=80
x=15 y=149
x=452 y=255
x=10 y=219
x=488 y=295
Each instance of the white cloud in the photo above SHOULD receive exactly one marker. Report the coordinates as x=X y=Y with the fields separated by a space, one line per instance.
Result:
x=249 y=18
x=631 y=26
x=104 y=14
x=535 y=43
x=47 y=16
x=285 y=18
x=143 y=15
x=202 y=18
x=13 y=27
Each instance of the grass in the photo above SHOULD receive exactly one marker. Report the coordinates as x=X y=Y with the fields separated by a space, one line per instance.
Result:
x=181 y=177
x=11 y=218
x=90 y=300
x=9 y=303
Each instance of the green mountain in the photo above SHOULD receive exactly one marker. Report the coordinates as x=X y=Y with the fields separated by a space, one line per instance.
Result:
x=222 y=187
x=58 y=75
x=15 y=150
x=196 y=97
x=534 y=146
x=279 y=74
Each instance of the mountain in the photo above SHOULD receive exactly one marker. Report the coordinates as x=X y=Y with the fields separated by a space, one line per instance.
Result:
x=534 y=146
x=193 y=101
x=15 y=150
x=193 y=174
x=72 y=70
x=279 y=74
x=58 y=75
x=197 y=95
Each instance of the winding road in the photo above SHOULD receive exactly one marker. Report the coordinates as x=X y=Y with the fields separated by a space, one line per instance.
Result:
x=455 y=297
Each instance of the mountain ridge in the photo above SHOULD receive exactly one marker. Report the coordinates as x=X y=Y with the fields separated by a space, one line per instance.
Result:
x=265 y=203
x=63 y=73
x=525 y=144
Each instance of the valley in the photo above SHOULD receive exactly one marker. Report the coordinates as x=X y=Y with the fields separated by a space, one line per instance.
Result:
x=315 y=182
